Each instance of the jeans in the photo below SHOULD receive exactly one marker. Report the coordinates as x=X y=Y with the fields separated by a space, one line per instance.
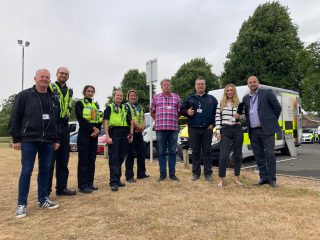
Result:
x=234 y=135
x=200 y=139
x=263 y=150
x=167 y=141
x=28 y=156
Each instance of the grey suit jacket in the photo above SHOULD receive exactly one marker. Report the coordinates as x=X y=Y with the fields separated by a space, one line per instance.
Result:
x=269 y=110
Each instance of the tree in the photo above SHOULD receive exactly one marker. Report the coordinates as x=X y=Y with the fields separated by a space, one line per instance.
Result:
x=183 y=80
x=309 y=63
x=267 y=46
x=133 y=79
x=5 y=112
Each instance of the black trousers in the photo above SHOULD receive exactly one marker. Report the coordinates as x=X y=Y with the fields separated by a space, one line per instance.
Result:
x=60 y=158
x=87 y=152
x=200 y=139
x=117 y=152
x=263 y=150
x=138 y=147
x=230 y=135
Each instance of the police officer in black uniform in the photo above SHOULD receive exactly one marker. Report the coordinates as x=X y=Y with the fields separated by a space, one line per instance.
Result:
x=90 y=119
x=61 y=157
x=119 y=131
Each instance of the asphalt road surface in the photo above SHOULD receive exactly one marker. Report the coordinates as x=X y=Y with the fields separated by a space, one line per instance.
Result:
x=306 y=164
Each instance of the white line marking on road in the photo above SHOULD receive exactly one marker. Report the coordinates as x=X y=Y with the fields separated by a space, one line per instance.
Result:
x=283 y=160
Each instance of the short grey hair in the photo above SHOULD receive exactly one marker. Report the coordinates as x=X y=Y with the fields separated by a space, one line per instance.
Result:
x=165 y=80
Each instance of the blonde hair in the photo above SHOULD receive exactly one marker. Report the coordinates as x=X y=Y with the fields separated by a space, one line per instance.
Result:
x=235 y=99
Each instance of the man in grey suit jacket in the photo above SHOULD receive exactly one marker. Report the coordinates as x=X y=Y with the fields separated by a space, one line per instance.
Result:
x=262 y=111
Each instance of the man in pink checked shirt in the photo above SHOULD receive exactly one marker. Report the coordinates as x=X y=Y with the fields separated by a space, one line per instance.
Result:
x=165 y=109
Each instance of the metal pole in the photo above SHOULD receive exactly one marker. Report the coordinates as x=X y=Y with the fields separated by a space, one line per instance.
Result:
x=151 y=121
x=22 y=66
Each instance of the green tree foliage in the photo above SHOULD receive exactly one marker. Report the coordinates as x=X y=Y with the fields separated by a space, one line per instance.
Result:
x=183 y=80
x=5 y=112
x=133 y=79
x=309 y=63
x=267 y=46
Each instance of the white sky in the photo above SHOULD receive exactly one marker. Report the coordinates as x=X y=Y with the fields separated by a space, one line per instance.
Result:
x=99 y=40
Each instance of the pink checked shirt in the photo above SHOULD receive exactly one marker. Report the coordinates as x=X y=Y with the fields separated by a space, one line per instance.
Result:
x=166 y=111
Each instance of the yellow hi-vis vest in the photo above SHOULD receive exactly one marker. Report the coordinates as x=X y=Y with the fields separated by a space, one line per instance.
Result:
x=91 y=111
x=136 y=113
x=118 y=116
x=65 y=102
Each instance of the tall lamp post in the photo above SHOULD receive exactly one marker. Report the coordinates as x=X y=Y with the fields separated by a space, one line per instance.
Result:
x=23 y=44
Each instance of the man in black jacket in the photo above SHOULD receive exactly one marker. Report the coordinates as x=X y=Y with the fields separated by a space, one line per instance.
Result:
x=262 y=110
x=33 y=127
x=200 y=108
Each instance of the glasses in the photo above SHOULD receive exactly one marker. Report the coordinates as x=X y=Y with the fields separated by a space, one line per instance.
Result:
x=63 y=73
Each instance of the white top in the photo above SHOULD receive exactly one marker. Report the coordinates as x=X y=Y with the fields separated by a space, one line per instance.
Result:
x=226 y=116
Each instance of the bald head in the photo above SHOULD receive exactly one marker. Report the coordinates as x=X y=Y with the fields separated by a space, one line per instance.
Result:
x=42 y=79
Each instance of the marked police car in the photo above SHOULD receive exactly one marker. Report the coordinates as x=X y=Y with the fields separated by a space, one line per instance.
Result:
x=310 y=135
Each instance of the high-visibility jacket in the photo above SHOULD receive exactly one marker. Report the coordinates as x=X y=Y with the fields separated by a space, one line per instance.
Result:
x=91 y=111
x=136 y=113
x=65 y=102
x=118 y=116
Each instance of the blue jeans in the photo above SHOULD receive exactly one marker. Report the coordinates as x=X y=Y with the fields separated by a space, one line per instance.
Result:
x=28 y=156
x=167 y=141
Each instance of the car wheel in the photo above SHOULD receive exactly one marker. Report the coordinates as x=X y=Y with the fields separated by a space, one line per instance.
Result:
x=154 y=147
x=73 y=148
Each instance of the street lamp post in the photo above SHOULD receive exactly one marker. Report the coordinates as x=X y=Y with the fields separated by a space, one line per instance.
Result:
x=23 y=44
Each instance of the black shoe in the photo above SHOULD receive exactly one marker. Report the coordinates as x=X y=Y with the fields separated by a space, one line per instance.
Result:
x=273 y=184
x=94 y=188
x=131 y=180
x=195 y=177
x=174 y=178
x=121 y=184
x=208 y=178
x=142 y=177
x=162 y=178
x=114 y=188
x=66 y=192
x=261 y=182
x=85 y=190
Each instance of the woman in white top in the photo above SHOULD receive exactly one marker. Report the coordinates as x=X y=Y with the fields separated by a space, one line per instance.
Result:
x=229 y=131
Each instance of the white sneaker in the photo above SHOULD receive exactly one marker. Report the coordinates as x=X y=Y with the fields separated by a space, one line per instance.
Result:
x=21 y=211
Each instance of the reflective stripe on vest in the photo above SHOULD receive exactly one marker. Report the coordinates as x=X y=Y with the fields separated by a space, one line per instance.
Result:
x=118 y=116
x=65 y=102
x=136 y=113
x=91 y=112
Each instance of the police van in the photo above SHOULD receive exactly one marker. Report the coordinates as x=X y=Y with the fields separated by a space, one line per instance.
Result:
x=290 y=122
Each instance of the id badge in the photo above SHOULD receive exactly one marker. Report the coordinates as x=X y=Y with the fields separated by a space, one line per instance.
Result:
x=199 y=110
x=169 y=107
x=45 y=116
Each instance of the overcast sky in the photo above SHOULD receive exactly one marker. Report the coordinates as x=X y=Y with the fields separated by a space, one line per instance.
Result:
x=99 y=40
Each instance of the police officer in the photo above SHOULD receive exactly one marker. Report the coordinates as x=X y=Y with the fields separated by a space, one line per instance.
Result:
x=61 y=157
x=138 y=121
x=90 y=119
x=119 y=131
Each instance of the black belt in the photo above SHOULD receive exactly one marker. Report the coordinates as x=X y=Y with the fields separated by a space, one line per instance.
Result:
x=257 y=128
x=230 y=125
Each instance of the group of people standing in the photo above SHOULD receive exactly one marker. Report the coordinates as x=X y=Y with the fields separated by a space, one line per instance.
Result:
x=39 y=125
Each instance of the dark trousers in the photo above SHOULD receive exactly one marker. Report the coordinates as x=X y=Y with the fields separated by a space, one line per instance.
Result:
x=263 y=150
x=200 y=139
x=230 y=136
x=61 y=160
x=167 y=141
x=87 y=152
x=28 y=156
x=136 y=146
x=117 y=152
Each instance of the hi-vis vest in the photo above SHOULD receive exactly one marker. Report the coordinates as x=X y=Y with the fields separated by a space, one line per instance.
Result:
x=118 y=116
x=91 y=111
x=65 y=102
x=136 y=113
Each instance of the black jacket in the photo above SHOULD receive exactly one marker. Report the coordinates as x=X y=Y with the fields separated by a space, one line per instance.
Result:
x=208 y=105
x=26 y=120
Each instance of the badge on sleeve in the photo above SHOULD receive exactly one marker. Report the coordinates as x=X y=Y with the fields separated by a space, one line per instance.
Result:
x=45 y=116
